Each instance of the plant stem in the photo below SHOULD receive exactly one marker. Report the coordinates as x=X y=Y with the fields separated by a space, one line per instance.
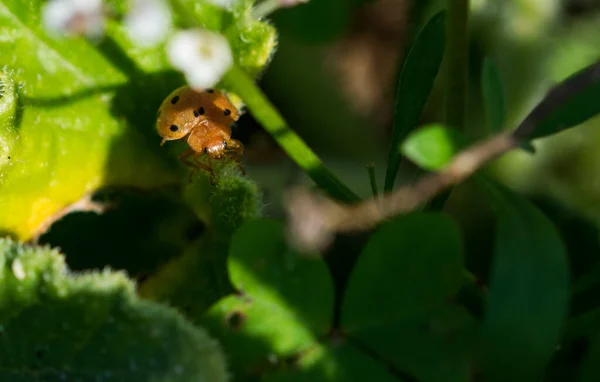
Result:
x=265 y=8
x=268 y=116
x=457 y=71
x=373 y=179
x=457 y=63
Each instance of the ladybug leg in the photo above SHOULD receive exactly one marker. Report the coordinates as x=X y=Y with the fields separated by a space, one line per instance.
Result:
x=184 y=159
x=235 y=149
x=195 y=165
x=207 y=168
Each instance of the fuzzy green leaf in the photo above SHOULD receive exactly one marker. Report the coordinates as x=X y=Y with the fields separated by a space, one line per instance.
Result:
x=56 y=325
x=529 y=290
x=417 y=77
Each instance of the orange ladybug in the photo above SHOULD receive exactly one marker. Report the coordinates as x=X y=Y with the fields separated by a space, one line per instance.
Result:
x=204 y=119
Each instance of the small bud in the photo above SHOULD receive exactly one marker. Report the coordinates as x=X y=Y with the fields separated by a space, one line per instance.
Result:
x=203 y=56
x=75 y=17
x=148 y=22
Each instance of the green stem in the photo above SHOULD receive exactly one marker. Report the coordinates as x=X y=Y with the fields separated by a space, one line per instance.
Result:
x=373 y=179
x=265 y=8
x=457 y=72
x=457 y=63
x=268 y=116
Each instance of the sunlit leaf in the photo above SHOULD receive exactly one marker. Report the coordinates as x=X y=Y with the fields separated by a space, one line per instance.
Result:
x=432 y=146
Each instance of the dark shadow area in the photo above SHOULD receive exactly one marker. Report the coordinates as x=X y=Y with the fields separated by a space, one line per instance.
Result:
x=580 y=235
x=341 y=259
x=138 y=232
x=7 y=234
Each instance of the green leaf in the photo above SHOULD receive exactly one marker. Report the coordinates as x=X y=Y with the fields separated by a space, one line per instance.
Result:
x=493 y=95
x=285 y=302
x=567 y=105
x=59 y=153
x=590 y=368
x=432 y=146
x=396 y=298
x=49 y=66
x=56 y=325
x=571 y=113
x=76 y=117
x=335 y=361
x=433 y=347
x=416 y=261
x=529 y=290
x=417 y=77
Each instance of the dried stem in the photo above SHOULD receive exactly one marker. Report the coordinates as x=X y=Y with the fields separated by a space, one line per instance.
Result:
x=315 y=220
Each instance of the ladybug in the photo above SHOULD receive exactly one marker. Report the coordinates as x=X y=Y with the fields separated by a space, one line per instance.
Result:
x=204 y=119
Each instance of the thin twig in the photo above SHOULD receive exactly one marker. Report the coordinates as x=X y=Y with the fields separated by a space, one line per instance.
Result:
x=315 y=220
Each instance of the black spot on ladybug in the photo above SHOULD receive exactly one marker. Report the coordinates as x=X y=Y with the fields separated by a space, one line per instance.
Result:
x=196 y=114
x=210 y=91
x=174 y=128
x=174 y=100
x=201 y=111
x=227 y=112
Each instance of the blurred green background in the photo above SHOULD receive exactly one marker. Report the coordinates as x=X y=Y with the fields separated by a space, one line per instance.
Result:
x=333 y=78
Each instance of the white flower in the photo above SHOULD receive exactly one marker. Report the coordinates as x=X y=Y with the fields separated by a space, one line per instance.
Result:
x=202 y=56
x=75 y=17
x=148 y=21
